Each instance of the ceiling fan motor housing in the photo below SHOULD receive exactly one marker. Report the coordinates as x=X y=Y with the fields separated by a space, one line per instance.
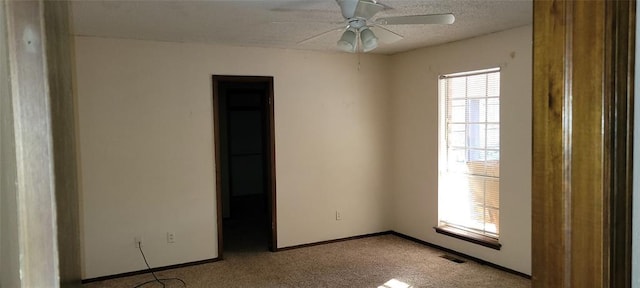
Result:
x=357 y=23
x=348 y=7
x=364 y=9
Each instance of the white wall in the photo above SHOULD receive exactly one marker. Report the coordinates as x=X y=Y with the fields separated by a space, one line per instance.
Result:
x=415 y=140
x=146 y=148
x=360 y=141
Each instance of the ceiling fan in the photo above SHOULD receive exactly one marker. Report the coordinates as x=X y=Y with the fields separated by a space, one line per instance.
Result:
x=359 y=28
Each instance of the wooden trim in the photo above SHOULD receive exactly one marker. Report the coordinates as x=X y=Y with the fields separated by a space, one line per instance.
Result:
x=586 y=175
x=469 y=236
x=272 y=179
x=217 y=149
x=581 y=142
x=447 y=250
x=145 y=271
x=268 y=80
x=334 y=241
x=621 y=54
x=548 y=209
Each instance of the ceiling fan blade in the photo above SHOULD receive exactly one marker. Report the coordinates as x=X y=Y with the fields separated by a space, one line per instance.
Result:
x=299 y=6
x=337 y=29
x=386 y=7
x=304 y=22
x=417 y=19
x=385 y=35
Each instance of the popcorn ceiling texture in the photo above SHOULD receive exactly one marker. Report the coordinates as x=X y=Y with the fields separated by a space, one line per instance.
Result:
x=284 y=23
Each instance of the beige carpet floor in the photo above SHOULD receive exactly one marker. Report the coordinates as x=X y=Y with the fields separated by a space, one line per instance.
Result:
x=384 y=261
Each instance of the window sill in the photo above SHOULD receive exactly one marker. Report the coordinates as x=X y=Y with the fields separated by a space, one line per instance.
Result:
x=468 y=236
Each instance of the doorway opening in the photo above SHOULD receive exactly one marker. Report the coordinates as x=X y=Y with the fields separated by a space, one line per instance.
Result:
x=245 y=163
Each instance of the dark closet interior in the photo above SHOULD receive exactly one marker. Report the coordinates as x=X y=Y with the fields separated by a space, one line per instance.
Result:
x=244 y=158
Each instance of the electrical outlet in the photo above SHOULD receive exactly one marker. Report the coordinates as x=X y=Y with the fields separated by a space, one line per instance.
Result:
x=338 y=216
x=171 y=237
x=137 y=241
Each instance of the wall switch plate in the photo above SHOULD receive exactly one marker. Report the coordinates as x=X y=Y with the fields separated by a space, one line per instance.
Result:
x=338 y=216
x=137 y=241
x=171 y=237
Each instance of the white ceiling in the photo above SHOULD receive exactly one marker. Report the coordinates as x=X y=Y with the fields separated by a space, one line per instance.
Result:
x=284 y=23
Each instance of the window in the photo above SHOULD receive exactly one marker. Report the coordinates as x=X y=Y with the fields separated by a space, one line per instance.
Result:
x=469 y=157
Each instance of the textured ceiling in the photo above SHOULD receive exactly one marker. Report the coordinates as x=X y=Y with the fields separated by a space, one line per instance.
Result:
x=284 y=23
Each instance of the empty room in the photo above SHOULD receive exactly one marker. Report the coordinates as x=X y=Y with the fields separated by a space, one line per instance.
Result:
x=285 y=143
x=345 y=143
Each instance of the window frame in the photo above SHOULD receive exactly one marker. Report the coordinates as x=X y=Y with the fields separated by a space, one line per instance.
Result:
x=442 y=227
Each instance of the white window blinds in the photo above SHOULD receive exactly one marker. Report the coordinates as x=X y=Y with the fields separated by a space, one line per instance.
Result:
x=469 y=187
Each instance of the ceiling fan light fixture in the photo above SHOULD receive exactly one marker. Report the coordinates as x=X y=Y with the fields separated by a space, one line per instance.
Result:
x=369 y=40
x=347 y=42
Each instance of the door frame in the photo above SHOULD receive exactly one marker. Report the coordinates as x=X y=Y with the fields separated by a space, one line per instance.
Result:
x=271 y=179
x=583 y=95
